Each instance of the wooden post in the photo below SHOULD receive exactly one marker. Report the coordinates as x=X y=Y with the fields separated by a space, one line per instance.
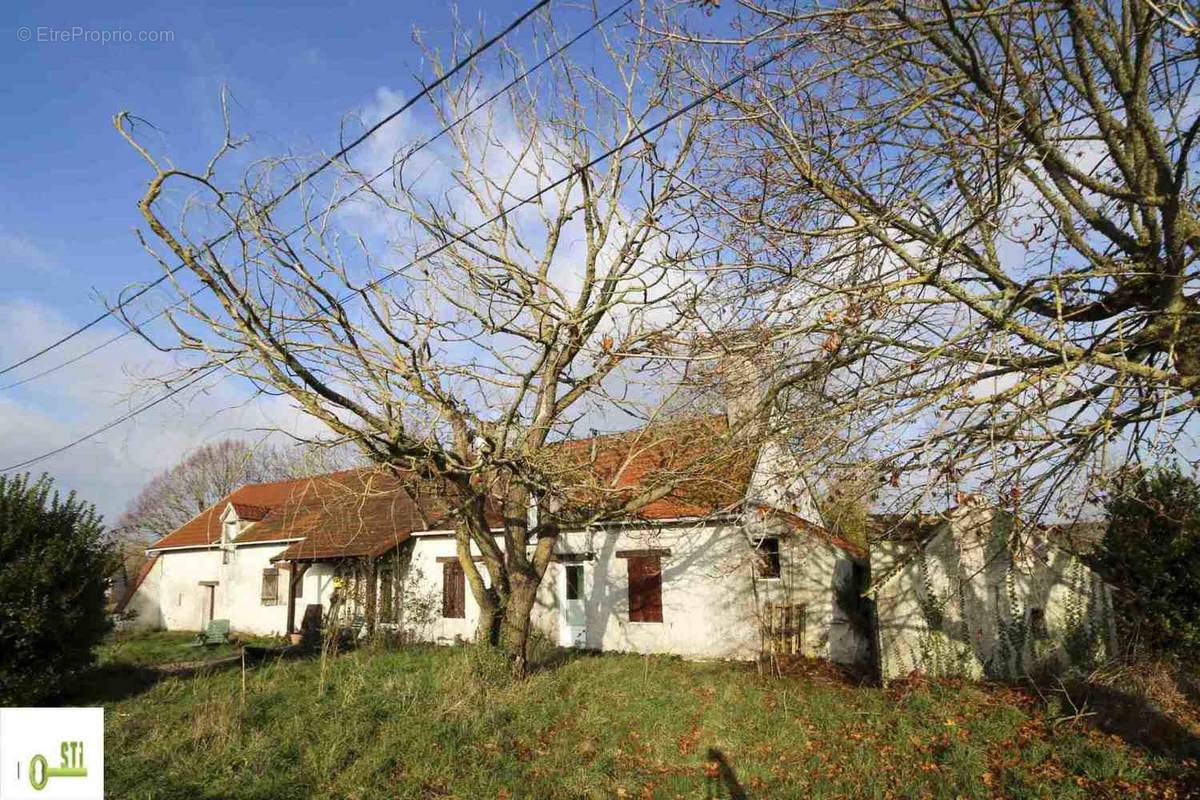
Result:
x=295 y=575
x=372 y=594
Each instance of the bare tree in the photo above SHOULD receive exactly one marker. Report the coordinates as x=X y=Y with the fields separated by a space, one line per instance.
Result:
x=977 y=222
x=501 y=292
x=207 y=474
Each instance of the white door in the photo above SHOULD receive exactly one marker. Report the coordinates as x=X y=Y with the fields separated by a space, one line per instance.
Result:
x=573 y=630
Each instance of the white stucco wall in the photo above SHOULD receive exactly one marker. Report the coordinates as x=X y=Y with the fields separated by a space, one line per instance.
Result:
x=710 y=597
x=181 y=596
x=962 y=605
x=239 y=595
x=172 y=597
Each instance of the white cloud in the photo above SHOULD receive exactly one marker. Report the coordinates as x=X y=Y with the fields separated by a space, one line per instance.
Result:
x=20 y=255
x=109 y=469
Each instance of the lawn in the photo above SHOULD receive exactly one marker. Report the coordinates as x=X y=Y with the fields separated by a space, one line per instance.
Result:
x=170 y=647
x=420 y=722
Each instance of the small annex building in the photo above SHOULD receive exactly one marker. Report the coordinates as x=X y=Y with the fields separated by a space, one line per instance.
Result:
x=973 y=593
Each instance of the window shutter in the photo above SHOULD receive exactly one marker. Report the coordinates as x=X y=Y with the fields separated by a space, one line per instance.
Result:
x=453 y=590
x=460 y=590
x=270 y=587
x=635 y=589
x=645 y=589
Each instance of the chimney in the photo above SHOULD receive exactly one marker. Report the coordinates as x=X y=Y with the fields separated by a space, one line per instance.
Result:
x=743 y=385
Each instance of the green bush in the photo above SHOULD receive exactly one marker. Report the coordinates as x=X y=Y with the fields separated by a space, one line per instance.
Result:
x=1151 y=553
x=54 y=566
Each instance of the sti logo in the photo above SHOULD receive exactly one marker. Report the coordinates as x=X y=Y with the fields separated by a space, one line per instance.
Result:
x=71 y=766
x=51 y=753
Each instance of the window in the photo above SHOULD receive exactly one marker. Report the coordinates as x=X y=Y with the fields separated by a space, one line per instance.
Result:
x=454 y=590
x=299 y=579
x=270 y=587
x=1037 y=623
x=574 y=581
x=768 y=557
x=645 y=589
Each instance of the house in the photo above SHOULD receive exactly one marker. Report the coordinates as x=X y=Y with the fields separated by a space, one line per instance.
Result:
x=228 y=562
x=732 y=563
x=729 y=564
x=975 y=593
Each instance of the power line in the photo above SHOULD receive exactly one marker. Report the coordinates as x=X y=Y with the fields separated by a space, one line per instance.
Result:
x=641 y=136
x=97 y=348
x=123 y=418
x=297 y=183
x=307 y=221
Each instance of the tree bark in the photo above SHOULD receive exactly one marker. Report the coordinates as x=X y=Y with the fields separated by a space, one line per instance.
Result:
x=487 y=631
x=516 y=622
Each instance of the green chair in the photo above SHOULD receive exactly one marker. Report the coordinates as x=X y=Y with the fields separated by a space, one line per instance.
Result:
x=217 y=632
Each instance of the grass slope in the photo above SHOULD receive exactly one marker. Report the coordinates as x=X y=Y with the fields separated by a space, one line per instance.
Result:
x=168 y=647
x=421 y=723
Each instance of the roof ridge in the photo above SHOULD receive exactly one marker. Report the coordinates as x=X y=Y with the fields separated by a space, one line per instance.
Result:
x=313 y=477
x=646 y=427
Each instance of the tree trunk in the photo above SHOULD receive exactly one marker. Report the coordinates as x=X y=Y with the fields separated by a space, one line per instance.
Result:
x=487 y=631
x=514 y=630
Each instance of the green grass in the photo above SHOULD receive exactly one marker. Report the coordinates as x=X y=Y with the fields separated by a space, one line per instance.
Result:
x=420 y=723
x=167 y=647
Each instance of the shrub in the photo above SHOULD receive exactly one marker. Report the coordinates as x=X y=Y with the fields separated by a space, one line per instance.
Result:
x=1151 y=553
x=54 y=567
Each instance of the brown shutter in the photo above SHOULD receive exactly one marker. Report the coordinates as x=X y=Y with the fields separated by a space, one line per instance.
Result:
x=460 y=591
x=454 y=590
x=270 y=587
x=645 y=589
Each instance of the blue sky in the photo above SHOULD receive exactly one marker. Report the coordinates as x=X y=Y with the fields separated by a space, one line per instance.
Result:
x=69 y=187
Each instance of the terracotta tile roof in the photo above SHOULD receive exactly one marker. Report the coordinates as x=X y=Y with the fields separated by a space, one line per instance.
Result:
x=367 y=511
x=362 y=513
x=132 y=588
x=803 y=525
x=1080 y=538
x=350 y=513
x=205 y=528
x=704 y=476
x=904 y=528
